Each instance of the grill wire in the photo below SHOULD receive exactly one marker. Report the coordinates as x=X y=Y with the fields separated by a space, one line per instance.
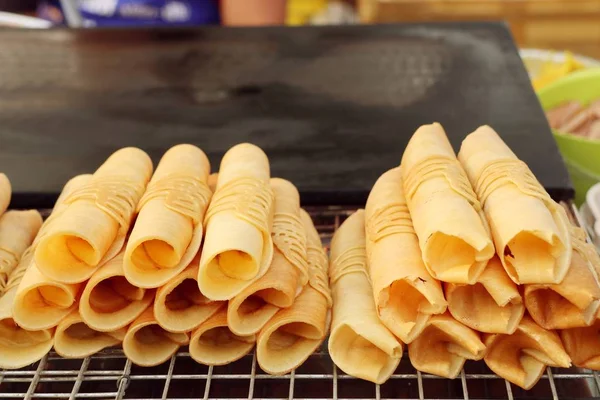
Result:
x=109 y=375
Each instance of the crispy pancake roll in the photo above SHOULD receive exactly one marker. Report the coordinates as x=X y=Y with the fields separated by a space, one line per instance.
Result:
x=444 y=346
x=530 y=231
x=406 y=295
x=109 y=301
x=213 y=343
x=168 y=230
x=238 y=248
x=294 y=333
x=5 y=193
x=522 y=357
x=447 y=217
x=92 y=229
x=493 y=304
x=573 y=303
x=583 y=345
x=40 y=302
x=147 y=344
x=75 y=339
x=179 y=305
x=250 y=310
x=359 y=344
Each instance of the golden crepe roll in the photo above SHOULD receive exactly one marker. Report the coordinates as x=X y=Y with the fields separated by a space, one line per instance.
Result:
x=5 y=193
x=406 y=295
x=359 y=344
x=250 y=310
x=444 y=346
x=493 y=304
x=147 y=344
x=179 y=305
x=447 y=217
x=583 y=346
x=530 y=231
x=40 y=302
x=213 y=343
x=109 y=301
x=92 y=229
x=238 y=248
x=168 y=230
x=294 y=333
x=522 y=357
x=74 y=339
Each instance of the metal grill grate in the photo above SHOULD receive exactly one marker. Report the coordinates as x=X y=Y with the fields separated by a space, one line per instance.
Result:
x=109 y=375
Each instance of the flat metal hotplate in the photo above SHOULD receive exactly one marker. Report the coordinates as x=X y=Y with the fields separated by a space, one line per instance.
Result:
x=333 y=107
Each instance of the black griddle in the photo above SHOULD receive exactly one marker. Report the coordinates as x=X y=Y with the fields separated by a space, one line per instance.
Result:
x=333 y=107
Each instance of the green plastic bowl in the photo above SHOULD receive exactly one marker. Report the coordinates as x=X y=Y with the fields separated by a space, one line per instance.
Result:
x=581 y=155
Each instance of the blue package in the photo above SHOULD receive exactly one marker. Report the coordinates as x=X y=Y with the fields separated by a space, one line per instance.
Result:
x=148 y=12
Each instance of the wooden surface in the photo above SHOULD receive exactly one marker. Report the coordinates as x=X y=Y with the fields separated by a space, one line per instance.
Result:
x=548 y=24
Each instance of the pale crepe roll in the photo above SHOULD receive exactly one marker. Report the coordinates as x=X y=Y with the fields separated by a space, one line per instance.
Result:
x=294 y=333
x=447 y=217
x=238 y=248
x=39 y=302
x=5 y=193
x=406 y=295
x=109 y=301
x=493 y=304
x=17 y=231
x=444 y=346
x=75 y=339
x=168 y=230
x=522 y=357
x=575 y=302
x=249 y=311
x=179 y=305
x=147 y=344
x=359 y=344
x=212 y=343
x=92 y=229
x=530 y=231
x=583 y=346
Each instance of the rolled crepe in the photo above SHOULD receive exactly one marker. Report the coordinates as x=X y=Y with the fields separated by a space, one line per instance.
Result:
x=147 y=344
x=109 y=302
x=573 y=303
x=294 y=333
x=583 y=346
x=406 y=295
x=92 y=229
x=17 y=231
x=39 y=302
x=359 y=344
x=168 y=230
x=444 y=346
x=530 y=230
x=493 y=304
x=179 y=305
x=447 y=217
x=238 y=248
x=212 y=343
x=5 y=193
x=75 y=339
x=522 y=357
x=249 y=311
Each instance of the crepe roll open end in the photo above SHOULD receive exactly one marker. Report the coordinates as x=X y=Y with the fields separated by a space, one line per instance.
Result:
x=522 y=357
x=213 y=343
x=493 y=304
x=530 y=230
x=583 y=346
x=147 y=344
x=359 y=344
x=238 y=247
x=448 y=219
x=19 y=347
x=444 y=346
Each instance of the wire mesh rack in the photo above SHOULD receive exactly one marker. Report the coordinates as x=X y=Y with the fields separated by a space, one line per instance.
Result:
x=110 y=375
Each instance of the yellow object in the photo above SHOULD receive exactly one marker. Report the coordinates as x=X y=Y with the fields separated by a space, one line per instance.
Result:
x=552 y=71
x=299 y=12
